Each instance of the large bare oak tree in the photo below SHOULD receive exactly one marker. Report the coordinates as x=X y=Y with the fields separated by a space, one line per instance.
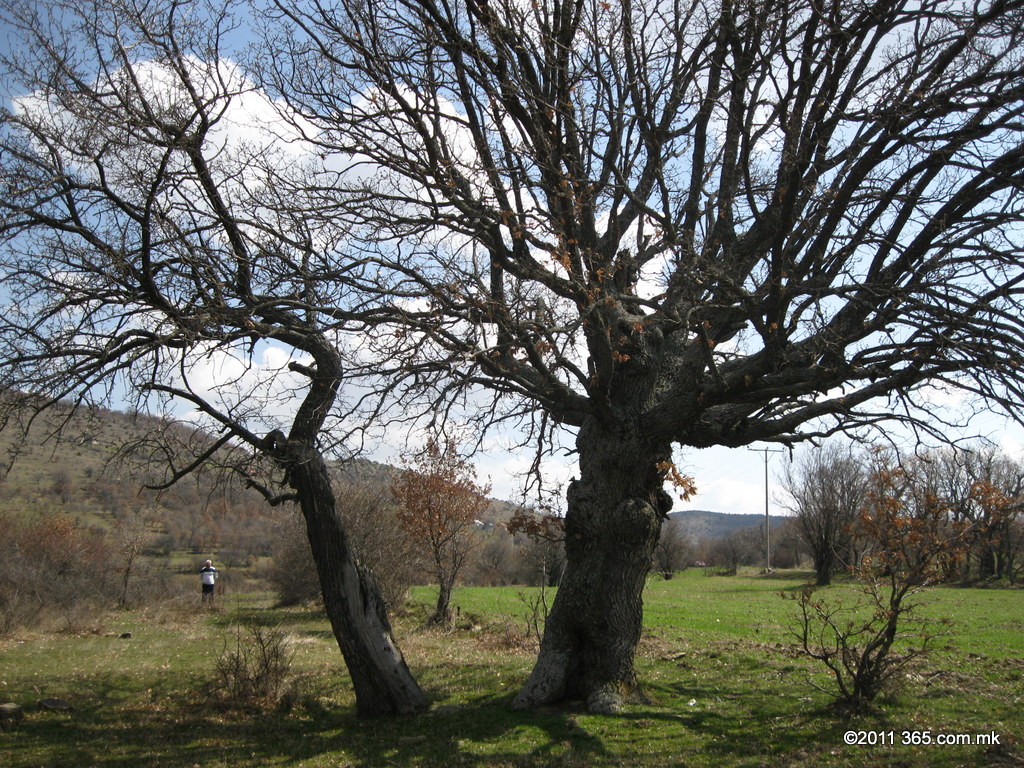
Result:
x=645 y=222
x=662 y=223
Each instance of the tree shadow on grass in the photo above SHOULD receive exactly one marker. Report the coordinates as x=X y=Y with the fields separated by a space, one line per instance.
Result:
x=308 y=622
x=482 y=733
x=743 y=724
x=173 y=724
x=787 y=575
x=178 y=732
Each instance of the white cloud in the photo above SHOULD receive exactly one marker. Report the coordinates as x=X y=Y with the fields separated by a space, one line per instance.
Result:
x=248 y=137
x=256 y=385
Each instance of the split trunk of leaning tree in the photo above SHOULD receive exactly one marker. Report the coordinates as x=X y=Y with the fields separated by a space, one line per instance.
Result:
x=613 y=521
x=382 y=681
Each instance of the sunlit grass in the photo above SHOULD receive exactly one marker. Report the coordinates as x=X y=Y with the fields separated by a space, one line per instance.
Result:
x=726 y=688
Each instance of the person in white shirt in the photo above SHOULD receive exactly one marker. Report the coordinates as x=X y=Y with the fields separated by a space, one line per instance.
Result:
x=208 y=577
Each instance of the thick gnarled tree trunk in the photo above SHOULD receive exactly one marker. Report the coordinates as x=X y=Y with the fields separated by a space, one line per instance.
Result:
x=382 y=681
x=615 y=512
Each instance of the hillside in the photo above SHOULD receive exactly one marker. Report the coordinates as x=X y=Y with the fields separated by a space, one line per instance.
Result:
x=77 y=463
x=73 y=463
x=701 y=524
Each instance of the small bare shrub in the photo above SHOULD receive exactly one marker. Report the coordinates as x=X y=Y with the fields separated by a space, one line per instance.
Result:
x=866 y=646
x=257 y=671
x=292 y=571
x=54 y=574
x=536 y=613
x=379 y=542
x=510 y=635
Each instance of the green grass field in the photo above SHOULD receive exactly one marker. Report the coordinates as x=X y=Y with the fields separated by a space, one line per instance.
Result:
x=726 y=689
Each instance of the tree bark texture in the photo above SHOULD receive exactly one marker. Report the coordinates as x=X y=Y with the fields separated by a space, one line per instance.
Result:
x=442 y=611
x=382 y=681
x=615 y=512
x=823 y=567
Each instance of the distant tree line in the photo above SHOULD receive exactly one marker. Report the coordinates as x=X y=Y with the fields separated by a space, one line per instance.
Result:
x=63 y=560
x=977 y=494
x=974 y=495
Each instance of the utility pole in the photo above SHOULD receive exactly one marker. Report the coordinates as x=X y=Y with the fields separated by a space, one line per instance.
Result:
x=767 y=519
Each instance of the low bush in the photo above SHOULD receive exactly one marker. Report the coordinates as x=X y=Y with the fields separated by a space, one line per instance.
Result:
x=256 y=672
x=379 y=543
x=54 y=574
x=910 y=542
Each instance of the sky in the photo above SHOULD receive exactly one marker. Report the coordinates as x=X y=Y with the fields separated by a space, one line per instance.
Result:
x=728 y=480
x=731 y=480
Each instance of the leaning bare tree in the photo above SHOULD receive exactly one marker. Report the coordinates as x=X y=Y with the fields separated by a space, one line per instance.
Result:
x=148 y=255
x=644 y=223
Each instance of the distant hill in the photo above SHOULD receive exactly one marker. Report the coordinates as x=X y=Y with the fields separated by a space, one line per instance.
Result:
x=702 y=524
x=74 y=463
x=79 y=475
x=69 y=463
